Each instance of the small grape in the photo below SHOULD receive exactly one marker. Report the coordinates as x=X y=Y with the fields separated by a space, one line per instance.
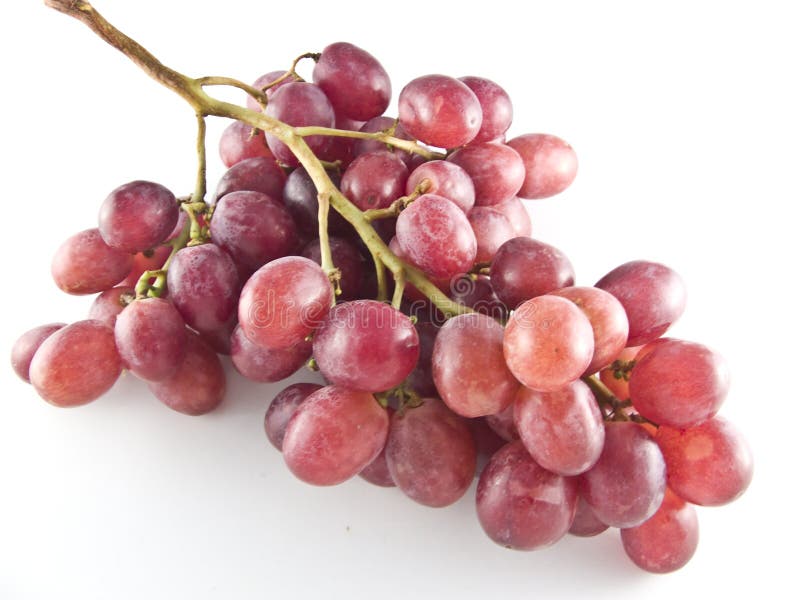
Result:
x=26 y=346
x=495 y=107
x=586 y=523
x=516 y=213
x=264 y=364
x=283 y=407
x=492 y=229
x=379 y=124
x=346 y=258
x=550 y=164
x=258 y=174
x=301 y=200
x=266 y=80
x=239 y=141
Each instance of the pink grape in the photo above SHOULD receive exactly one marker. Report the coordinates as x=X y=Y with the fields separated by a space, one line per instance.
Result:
x=524 y=268
x=284 y=301
x=431 y=454
x=300 y=199
x=517 y=215
x=198 y=386
x=421 y=378
x=253 y=228
x=520 y=504
x=495 y=107
x=440 y=111
x=375 y=180
x=608 y=319
x=258 y=174
x=377 y=472
x=85 y=264
x=667 y=540
x=469 y=368
x=436 y=236
x=333 y=435
x=548 y=343
x=562 y=430
x=137 y=216
x=346 y=258
x=263 y=82
x=203 y=285
x=26 y=346
x=379 y=124
x=366 y=345
x=586 y=523
x=76 y=364
x=239 y=141
x=354 y=81
x=299 y=104
x=492 y=229
x=496 y=171
x=107 y=305
x=679 y=384
x=149 y=260
x=653 y=295
x=709 y=464
x=445 y=179
x=626 y=485
x=550 y=164
x=502 y=424
x=264 y=364
x=283 y=407
x=151 y=338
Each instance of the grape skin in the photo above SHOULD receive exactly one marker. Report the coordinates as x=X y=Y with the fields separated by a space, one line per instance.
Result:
x=469 y=368
x=550 y=164
x=495 y=107
x=431 y=454
x=239 y=141
x=619 y=387
x=265 y=365
x=479 y=295
x=76 y=364
x=85 y=264
x=281 y=409
x=496 y=170
x=517 y=215
x=502 y=424
x=300 y=199
x=492 y=229
x=263 y=82
x=377 y=472
x=445 y=179
x=107 y=305
x=252 y=175
x=151 y=260
x=379 y=124
x=421 y=378
x=333 y=435
x=375 y=180
x=586 y=523
x=346 y=258
x=26 y=346
x=521 y=505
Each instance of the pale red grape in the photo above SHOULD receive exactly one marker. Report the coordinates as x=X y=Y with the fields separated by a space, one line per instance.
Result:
x=107 y=305
x=445 y=179
x=516 y=213
x=299 y=104
x=496 y=171
x=502 y=424
x=586 y=523
x=85 y=264
x=492 y=229
x=239 y=141
x=375 y=180
x=26 y=346
x=264 y=364
x=550 y=164
x=495 y=107
x=380 y=124
x=263 y=82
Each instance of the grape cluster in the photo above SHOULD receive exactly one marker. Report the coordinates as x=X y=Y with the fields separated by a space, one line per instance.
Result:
x=505 y=388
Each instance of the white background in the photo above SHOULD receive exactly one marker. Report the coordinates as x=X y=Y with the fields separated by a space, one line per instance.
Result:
x=685 y=120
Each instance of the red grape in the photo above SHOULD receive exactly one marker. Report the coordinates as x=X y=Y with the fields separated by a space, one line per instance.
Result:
x=608 y=319
x=240 y=141
x=375 y=180
x=436 y=236
x=346 y=258
x=263 y=82
x=342 y=149
x=198 y=386
x=377 y=472
x=653 y=295
x=284 y=301
x=263 y=364
x=26 y=346
x=679 y=384
x=619 y=385
x=710 y=464
x=492 y=229
x=366 y=345
x=334 y=434
x=502 y=424
x=203 y=285
x=469 y=368
x=520 y=504
x=107 y=305
x=299 y=104
x=138 y=216
x=667 y=540
x=149 y=260
x=76 y=364
x=562 y=430
x=282 y=408
x=517 y=215
x=446 y=179
x=625 y=487
x=151 y=338
x=301 y=200
x=85 y=264
x=495 y=107
x=550 y=164
x=476 y=292
x=496 y=171
x=431 y=454
x=380 y=124
x=586 y=523
x=548 y=343
x=253 y=228
x=525 y=268
x=440 y=111
x=354 y=81
x=220 y=339
x=253 y=175
x=421 y=378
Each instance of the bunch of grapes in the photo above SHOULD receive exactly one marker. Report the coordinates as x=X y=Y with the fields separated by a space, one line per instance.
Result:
x=498 y=382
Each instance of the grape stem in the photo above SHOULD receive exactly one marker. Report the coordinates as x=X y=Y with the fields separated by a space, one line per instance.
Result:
x=258 y=95
x=192 y=91
x=199 y=194
x=292 y=72
x=156 y=289
x=395 y=207
x=612 y=407
x=380 y=136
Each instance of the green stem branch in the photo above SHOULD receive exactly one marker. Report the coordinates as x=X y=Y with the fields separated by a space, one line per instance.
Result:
x=258 y=95
x=380 y=136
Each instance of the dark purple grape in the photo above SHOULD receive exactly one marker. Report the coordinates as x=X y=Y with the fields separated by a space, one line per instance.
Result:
x=253 y=228
x=300 y=104
x=203 y=285
x=421 y=378
x=382 y=124
x=550 y=164
x=346 y=258
x=440 y=111
x=85 y=264
x=375 y=180
x=282 y=408
x=137 y=216
x=495 y=107
x=263 y=364
x=26 y=346
x=151 y=338
x=366 y=345
x=76 y=364
x=253 y=175
x=476 y=292
x=107 y=305
x=301 y=200
x=445 y=179
x=496 y=171
x=492 y=229
x=524 y=268
x=356 y=84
